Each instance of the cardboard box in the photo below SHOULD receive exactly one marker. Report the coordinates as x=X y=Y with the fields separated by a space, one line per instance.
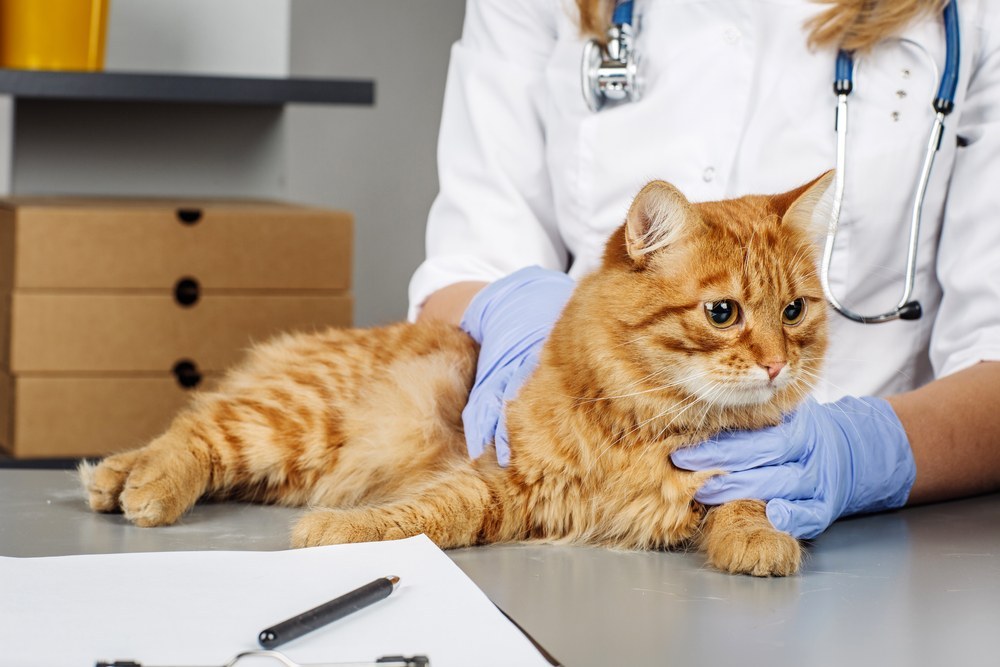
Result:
x=101 y=298
x=89 y=416
x=149 y=244
x=6 y=412
x=6 y=284
x=115 y=333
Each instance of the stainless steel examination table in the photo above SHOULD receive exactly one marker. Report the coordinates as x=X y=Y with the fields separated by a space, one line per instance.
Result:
x=919 y=586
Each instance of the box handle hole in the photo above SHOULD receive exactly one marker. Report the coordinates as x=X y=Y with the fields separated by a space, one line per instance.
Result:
x=187 y=291
x=189 y=216
x=187 y=374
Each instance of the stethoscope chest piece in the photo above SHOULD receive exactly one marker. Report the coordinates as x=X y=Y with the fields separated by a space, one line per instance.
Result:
x=593 y=95
x=609 y=71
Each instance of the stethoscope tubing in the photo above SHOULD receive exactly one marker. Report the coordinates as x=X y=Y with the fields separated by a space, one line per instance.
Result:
x=623 y=12
x=944 y=102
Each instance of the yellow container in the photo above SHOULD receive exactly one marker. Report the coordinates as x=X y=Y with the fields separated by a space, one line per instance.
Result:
x=53 y=34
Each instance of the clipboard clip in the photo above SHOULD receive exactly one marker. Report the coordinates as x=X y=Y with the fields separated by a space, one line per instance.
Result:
x=384 y=661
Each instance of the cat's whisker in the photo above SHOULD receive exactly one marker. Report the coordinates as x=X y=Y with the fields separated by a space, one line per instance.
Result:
x=707 y=404
x=649 y=376
x=746 y=251
x=802 y=254
x=706 y=408
x=638 y=381
x=821 y=379
x=900 y=372
x=630 y=341
x=644 y=391
x=680 y=409
x=692 y=402
x=617 y=440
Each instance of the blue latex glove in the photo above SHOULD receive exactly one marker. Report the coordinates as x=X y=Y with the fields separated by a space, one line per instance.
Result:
x=824 y=461
x=510 y=319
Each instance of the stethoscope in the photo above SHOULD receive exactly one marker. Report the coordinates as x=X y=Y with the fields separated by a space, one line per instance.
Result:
x=610 y=73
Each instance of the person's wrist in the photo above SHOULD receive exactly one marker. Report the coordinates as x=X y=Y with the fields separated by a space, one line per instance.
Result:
x=494 y=297
x=882 y=461
x=449 y=303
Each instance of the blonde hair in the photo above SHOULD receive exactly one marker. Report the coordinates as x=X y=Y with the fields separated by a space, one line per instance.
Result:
x=854 y=25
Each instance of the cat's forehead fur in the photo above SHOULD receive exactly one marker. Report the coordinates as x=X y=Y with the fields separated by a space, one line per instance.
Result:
x=742 y=248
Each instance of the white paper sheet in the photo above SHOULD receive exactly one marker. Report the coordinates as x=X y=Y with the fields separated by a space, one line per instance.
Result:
x=204 y=607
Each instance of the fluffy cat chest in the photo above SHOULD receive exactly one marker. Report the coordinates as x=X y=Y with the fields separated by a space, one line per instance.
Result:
x=626 y=498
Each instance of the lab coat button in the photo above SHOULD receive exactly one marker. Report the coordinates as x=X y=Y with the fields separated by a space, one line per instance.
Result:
x=708 y=175
x=732 y=35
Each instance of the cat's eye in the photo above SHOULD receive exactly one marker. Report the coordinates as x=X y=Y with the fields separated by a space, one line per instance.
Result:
x=722 y=314
x=794 y=312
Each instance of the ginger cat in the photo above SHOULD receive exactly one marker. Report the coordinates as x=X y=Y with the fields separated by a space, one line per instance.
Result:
x=703 y=317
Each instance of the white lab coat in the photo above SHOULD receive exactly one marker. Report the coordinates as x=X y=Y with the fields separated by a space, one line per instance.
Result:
x=734 y=103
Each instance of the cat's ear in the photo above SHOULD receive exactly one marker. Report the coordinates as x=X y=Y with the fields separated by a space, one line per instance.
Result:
x=655 y=220
x=808 y=207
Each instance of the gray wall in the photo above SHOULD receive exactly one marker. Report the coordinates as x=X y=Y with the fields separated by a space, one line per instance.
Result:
x=234 y=37
x=153 y=149
x=377 y=162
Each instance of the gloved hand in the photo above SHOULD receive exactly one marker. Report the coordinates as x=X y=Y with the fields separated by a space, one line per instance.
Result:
x=824 y=461
x=510 y=319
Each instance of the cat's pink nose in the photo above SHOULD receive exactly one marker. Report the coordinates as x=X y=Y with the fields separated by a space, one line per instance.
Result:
x=773 y=368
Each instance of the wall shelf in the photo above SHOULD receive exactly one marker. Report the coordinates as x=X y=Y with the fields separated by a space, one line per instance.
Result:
x=166 y=88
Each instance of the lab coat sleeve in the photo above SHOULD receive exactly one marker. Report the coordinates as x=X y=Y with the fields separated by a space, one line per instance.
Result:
x=967 y=326
x=494 y=212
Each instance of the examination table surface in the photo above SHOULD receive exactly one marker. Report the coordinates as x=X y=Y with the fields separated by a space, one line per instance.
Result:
x=920 y=586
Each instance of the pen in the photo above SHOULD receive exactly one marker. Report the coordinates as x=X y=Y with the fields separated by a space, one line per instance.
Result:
x=328 y=612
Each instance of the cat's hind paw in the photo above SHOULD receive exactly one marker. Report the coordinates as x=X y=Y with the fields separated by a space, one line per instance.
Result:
x=321 y=527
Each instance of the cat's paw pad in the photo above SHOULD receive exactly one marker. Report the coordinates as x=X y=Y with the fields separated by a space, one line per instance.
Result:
x=761 y=552
x=322 y=527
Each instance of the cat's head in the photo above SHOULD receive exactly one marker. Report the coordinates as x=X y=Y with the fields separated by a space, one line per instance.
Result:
x=717 y=303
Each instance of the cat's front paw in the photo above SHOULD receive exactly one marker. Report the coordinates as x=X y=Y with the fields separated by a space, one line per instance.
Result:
x=335 y=526
x=103 y=482
x=739 y=539
x=152 y=498
x=761 y=552
x=151 y=487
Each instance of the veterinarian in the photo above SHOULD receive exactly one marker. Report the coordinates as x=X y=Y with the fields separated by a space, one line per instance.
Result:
x=538 y=164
